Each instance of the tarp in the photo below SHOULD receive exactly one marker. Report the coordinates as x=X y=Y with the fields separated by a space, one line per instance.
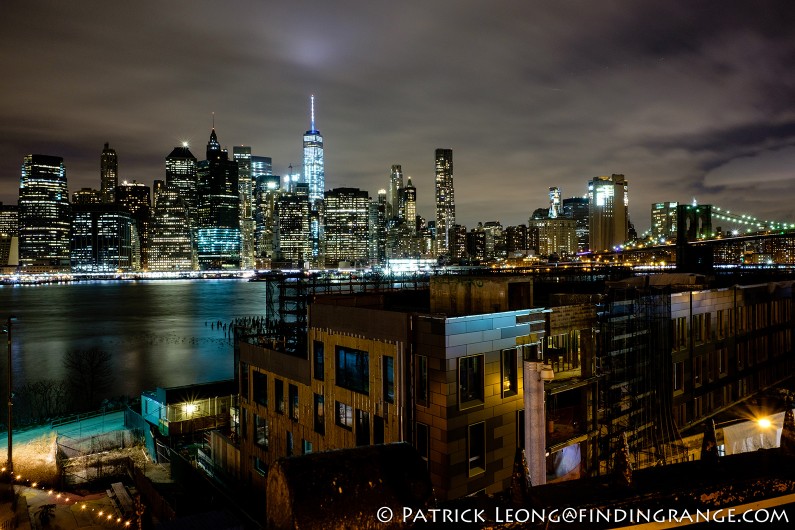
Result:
x=749 y=436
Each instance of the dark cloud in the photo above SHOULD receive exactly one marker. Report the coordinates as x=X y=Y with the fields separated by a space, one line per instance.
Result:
x=683 y=98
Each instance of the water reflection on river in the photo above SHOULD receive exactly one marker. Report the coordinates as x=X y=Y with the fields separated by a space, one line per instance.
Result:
x=161 y=333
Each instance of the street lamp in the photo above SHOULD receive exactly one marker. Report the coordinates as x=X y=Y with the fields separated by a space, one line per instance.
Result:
x=9 y=464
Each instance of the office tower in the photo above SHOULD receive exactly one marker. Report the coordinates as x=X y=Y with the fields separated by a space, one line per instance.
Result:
x=291 y=180
x=347 y=226
x=554 y=237
x=476 y=243
x=267 y=189
x=314 y=177
x=410 y=201
x=393 y=193
x=218 y=209
x=171 y=241
x=516 y=240
x=458 y=241
x=109 y=174
x=86 y=196
x=104 y=239
x=181 y=175
x=158 y=186
x=378 y=234
x=445 y=200
x=242 y=155
x=260 y=165
x=44 y=213
x=292 y=229
x=608 y=220
x=554 y=203
x=134 y=197
x=495 y=240
x=577 y=208
x=663 y=220
x=9 y=219
x=314 y=171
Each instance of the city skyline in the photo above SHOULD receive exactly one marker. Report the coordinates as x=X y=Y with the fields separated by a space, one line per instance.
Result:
x=686 y=102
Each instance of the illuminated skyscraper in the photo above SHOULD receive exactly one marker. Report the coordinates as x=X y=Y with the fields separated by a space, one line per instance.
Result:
x=104 y=239
x=109 y=174
x=292 y=229
x=608 y=218
x=347 y=226
x=242 y=155
x=182 y=177
x=393 y=193
x=314 y=170
x=44 y=212
x=134 y=197
x=171 y=246
x=410 y=205
x=9 y=219
x=554 y=203
x=378 y=228
x=86 y=196
x=445 y=200
x=315 y=179
x=663 y=220
x=218 y=210
x=577 y=208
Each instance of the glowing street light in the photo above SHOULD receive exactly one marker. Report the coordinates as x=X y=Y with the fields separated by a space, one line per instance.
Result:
x=764 y=423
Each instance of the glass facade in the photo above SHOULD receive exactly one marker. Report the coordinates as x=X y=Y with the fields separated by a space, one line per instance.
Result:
x=347 y=226
x=445 y=200
x=44 y=212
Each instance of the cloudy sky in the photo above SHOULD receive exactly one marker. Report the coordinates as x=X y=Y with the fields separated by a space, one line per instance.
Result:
x=686 y=98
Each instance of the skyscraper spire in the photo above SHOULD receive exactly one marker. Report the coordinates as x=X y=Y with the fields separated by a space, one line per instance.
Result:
x=313 y=113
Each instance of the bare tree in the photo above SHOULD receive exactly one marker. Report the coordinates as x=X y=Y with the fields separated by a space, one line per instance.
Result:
x=38 y=400
x=89 y=376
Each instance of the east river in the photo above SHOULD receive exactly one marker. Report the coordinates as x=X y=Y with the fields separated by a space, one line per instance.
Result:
x=159 y=332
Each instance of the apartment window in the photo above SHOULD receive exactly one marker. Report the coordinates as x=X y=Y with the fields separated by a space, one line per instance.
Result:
x=289 y=444
x=307 y=446
x=244 y=380
x=362 y=427
x=723 y=361
x=520 y=429
x=470 y=379
x=279 y=391
x=680 y=332
x=260 y=388
x=260 y=467
x=353 y=369
x=261 y=433
x=319 y=364
x=509 y=369
x=476 y=448
x=344 y=416
x=293 y=397
x=423 y=441
x=422 y=380
x=698 y=365
x=679 y=374
x=389 y=379
x=698 y=407
x=320 y=414
x=721 y=323
x=698 y=328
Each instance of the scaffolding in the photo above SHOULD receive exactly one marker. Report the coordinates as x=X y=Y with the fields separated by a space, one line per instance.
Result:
x=288 y=295
x=636 y=387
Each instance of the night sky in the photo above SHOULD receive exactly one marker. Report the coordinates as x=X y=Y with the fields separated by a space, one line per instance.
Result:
x=687 y=99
